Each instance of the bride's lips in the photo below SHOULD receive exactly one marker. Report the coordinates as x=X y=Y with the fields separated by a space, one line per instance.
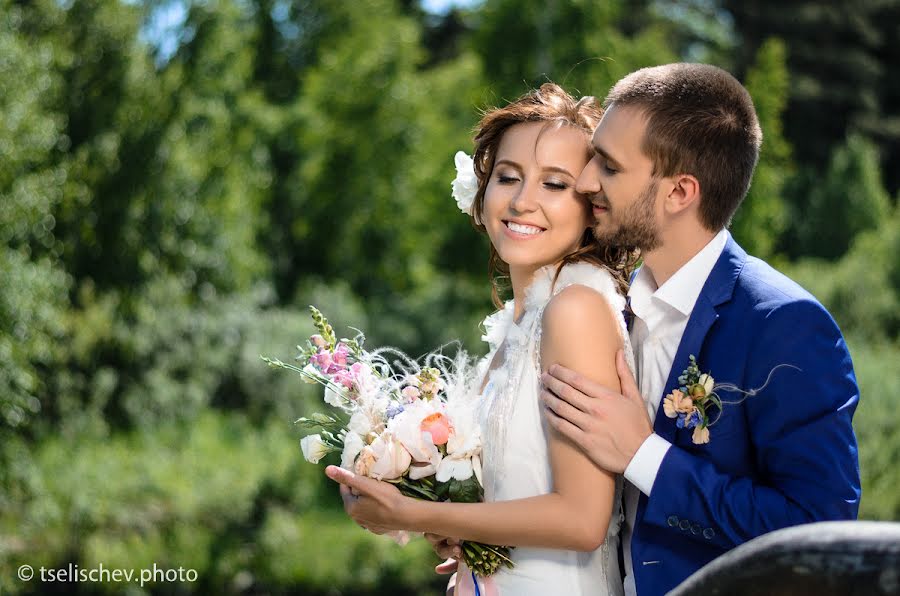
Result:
x=518 y=235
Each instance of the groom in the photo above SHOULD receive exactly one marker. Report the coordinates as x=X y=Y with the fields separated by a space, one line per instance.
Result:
x=674 y=155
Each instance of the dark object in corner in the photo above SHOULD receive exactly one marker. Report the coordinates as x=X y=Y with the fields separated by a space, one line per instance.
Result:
x=846 y=558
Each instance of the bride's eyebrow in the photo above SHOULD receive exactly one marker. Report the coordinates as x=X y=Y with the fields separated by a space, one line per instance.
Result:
x=559 y=170
x=508 y=162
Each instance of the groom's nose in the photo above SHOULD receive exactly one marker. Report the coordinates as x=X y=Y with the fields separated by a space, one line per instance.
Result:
x=588 y=182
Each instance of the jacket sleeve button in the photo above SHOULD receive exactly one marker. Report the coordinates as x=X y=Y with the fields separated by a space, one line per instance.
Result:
x=695 y=528
x=672 y=521
x=708 y=533
x=685 y=524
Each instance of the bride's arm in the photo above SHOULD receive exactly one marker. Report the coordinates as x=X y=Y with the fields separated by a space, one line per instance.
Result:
x=579 y=332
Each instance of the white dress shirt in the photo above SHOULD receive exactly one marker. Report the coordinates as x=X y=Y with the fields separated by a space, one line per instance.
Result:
x=660 y=317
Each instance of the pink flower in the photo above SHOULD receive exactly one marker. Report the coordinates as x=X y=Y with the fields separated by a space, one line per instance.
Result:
x=343 y=377
x=677 y=402
x=439 y=426
x=321 y=360
x=340 y=355
x=318 y=341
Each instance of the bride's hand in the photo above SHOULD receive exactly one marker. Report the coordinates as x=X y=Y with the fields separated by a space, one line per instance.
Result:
x=446 y=548
x=376 y=506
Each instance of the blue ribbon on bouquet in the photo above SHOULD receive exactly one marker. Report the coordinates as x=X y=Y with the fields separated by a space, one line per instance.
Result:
x=475 y=581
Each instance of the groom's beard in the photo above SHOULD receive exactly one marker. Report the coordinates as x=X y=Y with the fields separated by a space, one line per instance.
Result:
x=635 y=226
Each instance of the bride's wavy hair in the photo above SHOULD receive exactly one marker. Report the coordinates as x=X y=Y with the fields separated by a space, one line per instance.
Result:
x=553 y=105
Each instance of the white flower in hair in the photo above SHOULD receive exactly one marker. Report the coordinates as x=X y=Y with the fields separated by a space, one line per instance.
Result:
x=465 y=186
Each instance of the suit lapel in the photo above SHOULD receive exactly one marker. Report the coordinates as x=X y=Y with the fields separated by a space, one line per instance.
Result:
x=718 y=289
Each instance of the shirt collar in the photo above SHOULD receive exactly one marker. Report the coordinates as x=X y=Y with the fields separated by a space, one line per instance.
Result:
x=682 y=289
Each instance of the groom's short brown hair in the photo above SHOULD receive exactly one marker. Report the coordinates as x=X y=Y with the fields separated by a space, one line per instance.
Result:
x=700 y=121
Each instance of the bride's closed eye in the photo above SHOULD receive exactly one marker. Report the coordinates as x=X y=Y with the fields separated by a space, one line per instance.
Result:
x=555 y=185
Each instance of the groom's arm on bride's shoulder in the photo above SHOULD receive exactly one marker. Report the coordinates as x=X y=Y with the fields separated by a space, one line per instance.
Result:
x=801 y=461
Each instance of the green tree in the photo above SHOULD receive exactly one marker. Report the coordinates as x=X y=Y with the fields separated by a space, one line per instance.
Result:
x=584 y=46
x=848 y=200
x=34 y=290
x=763 y=216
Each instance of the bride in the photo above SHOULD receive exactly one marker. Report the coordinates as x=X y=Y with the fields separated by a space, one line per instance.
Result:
x=542 y=495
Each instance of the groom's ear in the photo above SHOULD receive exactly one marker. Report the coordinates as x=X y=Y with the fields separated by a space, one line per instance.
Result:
x=684 y=193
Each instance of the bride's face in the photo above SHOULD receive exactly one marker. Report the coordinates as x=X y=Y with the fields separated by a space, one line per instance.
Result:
x=532 y=213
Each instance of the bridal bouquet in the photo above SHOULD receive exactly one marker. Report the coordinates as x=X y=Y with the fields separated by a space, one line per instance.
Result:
x=395 y=420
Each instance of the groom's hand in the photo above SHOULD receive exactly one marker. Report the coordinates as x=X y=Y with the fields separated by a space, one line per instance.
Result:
x=608 y=426
x=374 y=505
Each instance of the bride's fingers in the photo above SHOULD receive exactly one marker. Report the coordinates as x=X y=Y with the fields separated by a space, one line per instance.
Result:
x=448 y=566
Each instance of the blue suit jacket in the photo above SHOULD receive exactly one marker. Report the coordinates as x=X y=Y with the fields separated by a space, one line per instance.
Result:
x=782 y=457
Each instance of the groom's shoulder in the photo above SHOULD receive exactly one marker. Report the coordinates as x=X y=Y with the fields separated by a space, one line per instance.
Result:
x=766 y=290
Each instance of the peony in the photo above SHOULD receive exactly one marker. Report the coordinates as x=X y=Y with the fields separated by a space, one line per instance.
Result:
x=465 y=185
x=314 y=448
x=407 y=427
x=438 y=426
x=677 y=402
x=392 y=460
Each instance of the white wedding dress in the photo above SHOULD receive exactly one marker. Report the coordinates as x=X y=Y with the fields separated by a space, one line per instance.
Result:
x=516 y=461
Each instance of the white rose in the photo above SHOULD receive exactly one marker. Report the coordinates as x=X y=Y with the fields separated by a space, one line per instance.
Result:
x=314 y=448
x=708 y=383
x=465 y=185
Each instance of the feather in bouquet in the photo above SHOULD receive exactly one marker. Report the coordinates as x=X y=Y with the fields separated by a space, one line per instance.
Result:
x=396 y=420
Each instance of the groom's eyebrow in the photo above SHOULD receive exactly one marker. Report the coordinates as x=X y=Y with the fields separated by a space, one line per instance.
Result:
x=602 y=152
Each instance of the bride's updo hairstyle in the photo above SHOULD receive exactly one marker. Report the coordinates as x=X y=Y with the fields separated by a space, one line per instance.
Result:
x=550 y=104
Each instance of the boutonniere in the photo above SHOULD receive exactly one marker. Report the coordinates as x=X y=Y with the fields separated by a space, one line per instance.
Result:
x=692 y=402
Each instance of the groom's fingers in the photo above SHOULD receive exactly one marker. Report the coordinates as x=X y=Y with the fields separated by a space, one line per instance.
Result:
x=563 y=409
x=629 y=385
x=564 y=427
x=581 y=385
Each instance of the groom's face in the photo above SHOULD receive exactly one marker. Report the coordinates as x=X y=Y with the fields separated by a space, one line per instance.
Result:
x=620 y=183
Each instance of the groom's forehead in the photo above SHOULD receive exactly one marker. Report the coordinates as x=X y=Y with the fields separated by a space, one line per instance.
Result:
x=620 y=133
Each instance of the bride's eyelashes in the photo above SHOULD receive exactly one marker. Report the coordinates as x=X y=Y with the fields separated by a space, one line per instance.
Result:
x=555 y=185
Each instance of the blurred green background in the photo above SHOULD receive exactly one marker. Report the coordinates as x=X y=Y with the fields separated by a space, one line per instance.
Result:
x=179 y=179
